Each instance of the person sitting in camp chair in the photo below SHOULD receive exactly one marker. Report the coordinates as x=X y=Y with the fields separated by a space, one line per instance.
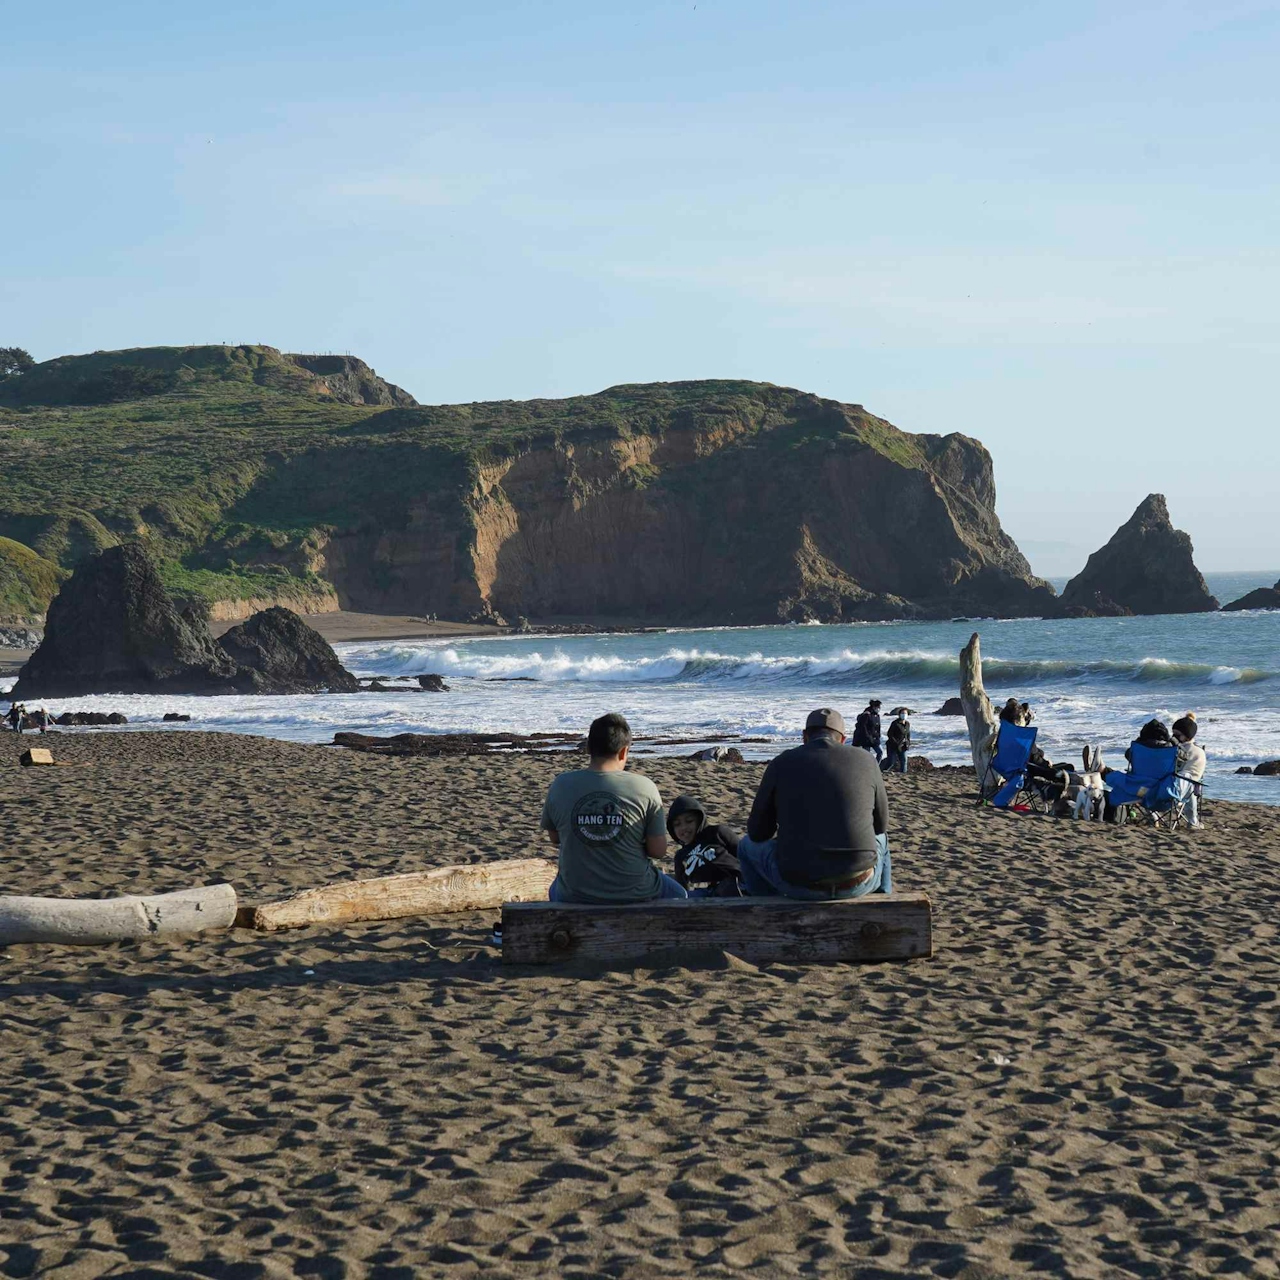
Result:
x=1151 y=785
x=1006 y=774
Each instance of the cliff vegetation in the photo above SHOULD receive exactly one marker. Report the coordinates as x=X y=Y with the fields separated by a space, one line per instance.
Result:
x=251 y=474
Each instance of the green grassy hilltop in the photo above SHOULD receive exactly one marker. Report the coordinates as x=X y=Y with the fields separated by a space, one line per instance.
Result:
x=239 y=465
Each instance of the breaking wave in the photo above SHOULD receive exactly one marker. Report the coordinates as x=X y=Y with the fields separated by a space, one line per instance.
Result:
x=706 y=666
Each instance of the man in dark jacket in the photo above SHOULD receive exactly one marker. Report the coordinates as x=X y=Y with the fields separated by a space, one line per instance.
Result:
x=866 y=730
x=707 y=859
x=897 y=742
x=819 y=824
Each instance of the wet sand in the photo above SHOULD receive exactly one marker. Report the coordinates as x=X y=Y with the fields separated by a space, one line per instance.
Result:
x=1082 y=1082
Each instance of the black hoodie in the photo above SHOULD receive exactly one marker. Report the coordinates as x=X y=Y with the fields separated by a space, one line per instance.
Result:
x=710 y=859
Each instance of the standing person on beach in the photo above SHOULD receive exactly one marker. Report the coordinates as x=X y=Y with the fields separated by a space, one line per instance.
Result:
x=15 y=718
x=866 y=730
x=897 y=743
x=819 y=824
x=607 y=824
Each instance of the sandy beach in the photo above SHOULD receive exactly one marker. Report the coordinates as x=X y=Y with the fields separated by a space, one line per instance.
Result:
x=1082 y=1082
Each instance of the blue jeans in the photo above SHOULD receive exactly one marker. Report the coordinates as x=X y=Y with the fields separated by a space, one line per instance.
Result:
x=669 y=889
x=895 y=760
x=761 y=878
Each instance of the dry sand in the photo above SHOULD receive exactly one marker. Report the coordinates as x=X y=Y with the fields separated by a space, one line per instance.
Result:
x=1082 y=1082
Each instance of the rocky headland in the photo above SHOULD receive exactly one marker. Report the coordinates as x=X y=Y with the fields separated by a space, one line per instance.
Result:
x=1146 y=568
x=260 y=476
x=115 y=628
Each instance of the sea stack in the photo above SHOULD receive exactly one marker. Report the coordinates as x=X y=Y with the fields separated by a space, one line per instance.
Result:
x=114 y=628
x=278 y=653
x=1146 y=568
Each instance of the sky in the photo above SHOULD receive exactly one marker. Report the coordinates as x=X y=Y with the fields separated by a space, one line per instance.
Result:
x=1052 y=227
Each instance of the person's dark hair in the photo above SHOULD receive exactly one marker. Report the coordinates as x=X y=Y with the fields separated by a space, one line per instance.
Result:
x=608 y=735
x=1186 y=727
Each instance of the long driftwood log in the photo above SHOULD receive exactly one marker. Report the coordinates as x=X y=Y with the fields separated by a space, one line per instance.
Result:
x=470 y=887
x=979 y=714
x=875 y=927
x=94 y=921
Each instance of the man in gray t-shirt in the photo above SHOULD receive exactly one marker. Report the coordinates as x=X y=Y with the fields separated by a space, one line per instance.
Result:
x=607 y=824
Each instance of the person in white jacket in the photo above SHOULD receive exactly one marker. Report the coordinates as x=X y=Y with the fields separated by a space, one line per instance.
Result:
x=1191 y=764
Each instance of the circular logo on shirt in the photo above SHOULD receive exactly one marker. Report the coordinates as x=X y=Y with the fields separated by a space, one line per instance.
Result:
x=598 y=818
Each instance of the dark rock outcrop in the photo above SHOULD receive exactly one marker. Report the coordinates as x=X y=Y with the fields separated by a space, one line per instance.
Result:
x=114 y=628
x=174 y=716
x=433 y=684
x=952 y=707
x=276 y=652
x=1267 y=769
x=1146 y=568
x=92 y=719
x=350 y=380
x=1262 y=598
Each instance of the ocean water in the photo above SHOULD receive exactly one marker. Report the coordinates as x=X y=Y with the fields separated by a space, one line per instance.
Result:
x=1090 y=681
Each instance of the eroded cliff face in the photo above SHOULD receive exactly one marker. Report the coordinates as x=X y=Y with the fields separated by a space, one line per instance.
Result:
x=829 y=513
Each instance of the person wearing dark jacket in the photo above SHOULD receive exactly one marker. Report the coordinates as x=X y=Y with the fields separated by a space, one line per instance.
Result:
x=819 y=824
x=866 y=729
x=707 y=859
x=897 y=743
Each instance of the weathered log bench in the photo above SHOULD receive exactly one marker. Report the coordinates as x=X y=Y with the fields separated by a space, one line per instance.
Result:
x=895 y=926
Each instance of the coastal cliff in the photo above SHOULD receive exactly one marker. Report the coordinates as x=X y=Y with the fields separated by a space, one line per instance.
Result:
x=251 y=474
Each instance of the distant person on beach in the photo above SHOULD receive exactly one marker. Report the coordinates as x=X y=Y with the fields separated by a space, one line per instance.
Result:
x=15 y=718
x=1192 y=762
x=607 y=824
x=818 y=827
x=897 y=743
x=706 y=862
x=866 y=729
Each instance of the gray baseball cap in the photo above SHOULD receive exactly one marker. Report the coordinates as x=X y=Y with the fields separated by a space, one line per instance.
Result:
x=825 y=718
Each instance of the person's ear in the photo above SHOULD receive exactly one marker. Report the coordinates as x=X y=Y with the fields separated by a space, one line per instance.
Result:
x=622 y=755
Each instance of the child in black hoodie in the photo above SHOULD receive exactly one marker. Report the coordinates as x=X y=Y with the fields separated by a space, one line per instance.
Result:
x=707 y=859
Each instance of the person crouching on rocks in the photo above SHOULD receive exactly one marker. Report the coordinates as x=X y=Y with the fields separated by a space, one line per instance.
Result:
x=607 y=824
x=706 y=862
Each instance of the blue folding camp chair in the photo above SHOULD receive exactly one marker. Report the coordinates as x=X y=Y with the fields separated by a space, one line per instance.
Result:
x=1151 y=791
x=1007 y=772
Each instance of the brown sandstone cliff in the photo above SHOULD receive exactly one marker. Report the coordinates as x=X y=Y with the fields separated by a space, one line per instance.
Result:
x=820 y=510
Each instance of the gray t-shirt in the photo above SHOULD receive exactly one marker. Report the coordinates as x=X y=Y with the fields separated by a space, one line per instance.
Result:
x=602 y=820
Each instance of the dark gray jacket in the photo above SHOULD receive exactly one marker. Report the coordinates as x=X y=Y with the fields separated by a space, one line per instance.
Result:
x=827 y=804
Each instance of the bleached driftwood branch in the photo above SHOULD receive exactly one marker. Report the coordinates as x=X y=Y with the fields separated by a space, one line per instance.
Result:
x=470 y=887
x=94 y=921
x=979 y=714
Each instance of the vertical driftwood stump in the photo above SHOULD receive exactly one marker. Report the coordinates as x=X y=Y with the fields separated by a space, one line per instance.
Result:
x=979 y=714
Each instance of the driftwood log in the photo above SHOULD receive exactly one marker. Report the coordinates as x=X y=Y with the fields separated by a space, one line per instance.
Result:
x=94 y=921
x=470 y=887
x=979 y=714
x=876 y=927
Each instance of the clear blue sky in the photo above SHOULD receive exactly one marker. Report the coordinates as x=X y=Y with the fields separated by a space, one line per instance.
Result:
x=1050 y=226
